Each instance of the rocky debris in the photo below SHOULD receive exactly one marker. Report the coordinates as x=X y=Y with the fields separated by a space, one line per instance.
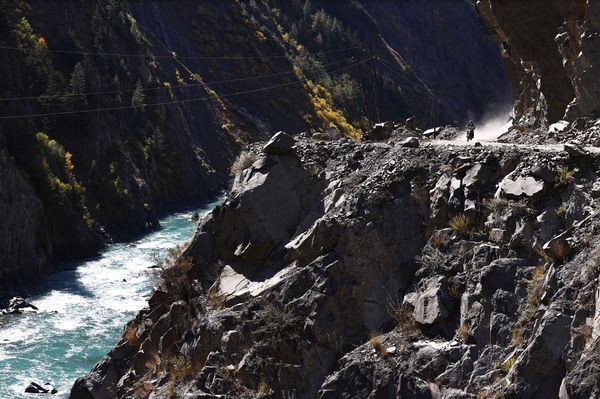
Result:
x=373 y=270
x=279 y=144
x=44 y=388
x=18 y=305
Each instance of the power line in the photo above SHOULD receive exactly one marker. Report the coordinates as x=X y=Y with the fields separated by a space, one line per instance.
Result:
x=42 y=97
x=172 y=55
x=175 y=101
x=405 y=77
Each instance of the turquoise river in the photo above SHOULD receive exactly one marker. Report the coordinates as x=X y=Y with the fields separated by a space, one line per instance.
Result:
x=82 y=311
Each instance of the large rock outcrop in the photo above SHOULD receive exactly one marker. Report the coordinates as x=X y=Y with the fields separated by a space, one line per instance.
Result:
x=345 y=270
x=551 y=52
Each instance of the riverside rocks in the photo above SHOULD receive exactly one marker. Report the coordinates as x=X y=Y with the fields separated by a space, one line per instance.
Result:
x=18 y=305
x=43 y=388
x=331 y=271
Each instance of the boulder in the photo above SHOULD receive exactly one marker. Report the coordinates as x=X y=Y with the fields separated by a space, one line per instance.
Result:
x=381 y=131
x=549 y=223
x=429 y=302
x=477 y=176
x=35 y=387
x=521 y=187
x=411 y=123
x=543 y=173
x=411 y=142
x=279 y=144
x=18 y=305
x=575 y=149
x=596 y=190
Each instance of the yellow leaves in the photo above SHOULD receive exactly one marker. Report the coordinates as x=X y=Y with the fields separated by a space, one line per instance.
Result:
x=41 y=43
x=298 y=72
x=260 y=36
x=178 y=76
x=69 y=167
x=322 y=102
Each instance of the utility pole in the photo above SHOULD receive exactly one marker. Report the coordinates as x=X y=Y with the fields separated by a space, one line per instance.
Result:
x=364 y=92
x=375 y=84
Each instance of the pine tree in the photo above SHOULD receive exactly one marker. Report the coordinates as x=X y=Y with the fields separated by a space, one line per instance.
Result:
x=137 y=98
x=74 y=97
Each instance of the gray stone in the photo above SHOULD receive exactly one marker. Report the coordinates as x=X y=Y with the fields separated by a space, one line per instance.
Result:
x=429 y=303
x=542 y=172
x=279 y=144
x=411 y=142
x=549 y=223
x=521 y=187
x=411 y=123
x=575 y=149
x=35 y=387
x=477 y=176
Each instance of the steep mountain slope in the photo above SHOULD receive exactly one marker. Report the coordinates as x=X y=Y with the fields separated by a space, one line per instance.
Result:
x=146 y=103
x=372 y=270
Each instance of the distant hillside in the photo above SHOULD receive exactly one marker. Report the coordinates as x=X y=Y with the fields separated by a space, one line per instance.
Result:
x=114 y=111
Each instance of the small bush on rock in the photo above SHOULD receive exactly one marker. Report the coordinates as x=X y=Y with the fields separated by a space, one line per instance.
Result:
x=462 y=224
x=535 y=290
x=174 y=272
x=431 y=258
x=463 y=331
x=559 y=250
x=243 y=162
x=402 y=315
x=377 y=345
x=564 y=175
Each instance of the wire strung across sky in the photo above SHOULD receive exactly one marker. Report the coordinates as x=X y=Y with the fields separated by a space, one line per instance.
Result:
x=181 y=101
x=406 y=77
x=43 y=97
x=172 y=55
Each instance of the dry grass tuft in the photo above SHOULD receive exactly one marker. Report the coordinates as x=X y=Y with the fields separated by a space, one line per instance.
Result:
x=462 y=224
x=377 y=344
x=132 y=338
x=564 y=175
x=535 y=290
x=243 y=162
x=463 y=331
x=508 y=364
x=559 y=250
x=181 y=369
x=174 y=271
x=402 y=315
x=517 y=336
x=431 y=258
x=585 y=331
x=215 y=299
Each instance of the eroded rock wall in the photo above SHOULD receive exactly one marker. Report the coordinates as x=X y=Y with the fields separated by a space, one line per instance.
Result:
x=551 y=53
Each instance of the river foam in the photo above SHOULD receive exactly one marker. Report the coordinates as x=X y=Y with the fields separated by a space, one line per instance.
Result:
x=82 y=311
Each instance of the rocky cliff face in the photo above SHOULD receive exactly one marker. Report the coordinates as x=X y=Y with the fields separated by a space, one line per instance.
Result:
x=552 y=54
x=176 y=116
x=344 y=270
